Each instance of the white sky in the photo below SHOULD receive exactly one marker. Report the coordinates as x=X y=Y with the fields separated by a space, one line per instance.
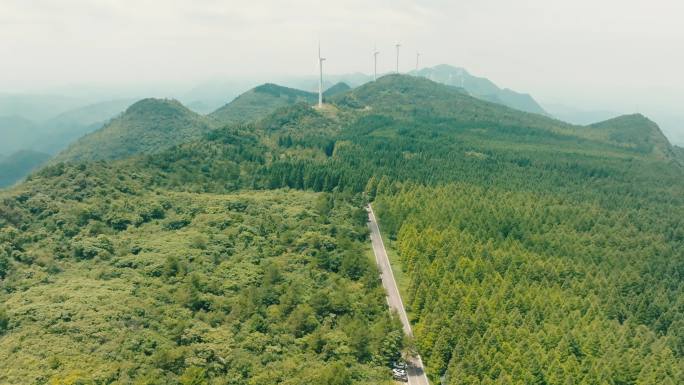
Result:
x=624 y=55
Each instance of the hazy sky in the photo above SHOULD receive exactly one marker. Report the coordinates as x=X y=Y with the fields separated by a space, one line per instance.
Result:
x=623 y=55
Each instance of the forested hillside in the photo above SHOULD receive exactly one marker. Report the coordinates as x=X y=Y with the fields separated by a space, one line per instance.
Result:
x=150 y=125
x=106 y=281
x=536 y=252
x=635 y=131
x=539 y=288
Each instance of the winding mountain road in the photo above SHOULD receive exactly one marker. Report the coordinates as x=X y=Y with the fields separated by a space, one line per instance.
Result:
x=415 y=369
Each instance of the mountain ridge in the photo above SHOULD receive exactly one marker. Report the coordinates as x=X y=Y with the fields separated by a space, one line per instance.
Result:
x=638 y=132
x=480 y=87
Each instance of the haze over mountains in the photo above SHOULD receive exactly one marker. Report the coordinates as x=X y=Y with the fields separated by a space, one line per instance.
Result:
x=36 y=139
x=480 y=87
x=29 y=143
x=153 y=125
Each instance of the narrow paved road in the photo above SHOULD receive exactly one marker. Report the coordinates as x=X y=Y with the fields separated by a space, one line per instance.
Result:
x=415 y=370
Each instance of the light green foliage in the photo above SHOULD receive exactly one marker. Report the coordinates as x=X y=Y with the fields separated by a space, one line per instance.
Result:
x=538 y=288
x=4 y=321
x=194 y=375
x=235 y=293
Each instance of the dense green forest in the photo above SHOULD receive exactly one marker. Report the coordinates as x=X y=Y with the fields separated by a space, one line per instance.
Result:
x=537 y=288
x=107 y=282
x=537 y=252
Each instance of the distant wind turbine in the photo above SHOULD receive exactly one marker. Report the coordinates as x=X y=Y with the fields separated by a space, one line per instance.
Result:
x=397 y=45
x=375 y=63
x=417 y=58
x=320 y=79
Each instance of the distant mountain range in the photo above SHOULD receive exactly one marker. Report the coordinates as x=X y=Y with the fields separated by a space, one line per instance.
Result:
x=480 y=88
x=37 y=107
x=17 y=133
x=55 y=134
x=154 y=124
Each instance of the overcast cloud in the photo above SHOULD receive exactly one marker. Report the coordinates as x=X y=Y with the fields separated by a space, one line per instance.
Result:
x=622 y=55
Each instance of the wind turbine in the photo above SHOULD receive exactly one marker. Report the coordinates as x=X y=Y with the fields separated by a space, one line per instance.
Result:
x=320 y=79
x=375 y=63
x=417 y=57
x=397 y=45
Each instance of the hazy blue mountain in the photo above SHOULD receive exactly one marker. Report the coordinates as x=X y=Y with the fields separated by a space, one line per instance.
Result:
x=260 y=101
x=37 y=107
x=16 y=166
x=209 y=96
x=147 y=126
x=57 y=133
x=16 y=132
x=481 y=88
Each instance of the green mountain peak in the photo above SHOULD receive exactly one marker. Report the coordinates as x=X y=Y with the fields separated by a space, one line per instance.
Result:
x=149 y=125
x=637 y=132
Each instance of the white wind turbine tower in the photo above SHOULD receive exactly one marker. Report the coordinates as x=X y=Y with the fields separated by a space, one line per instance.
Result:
x=375 y=63
x=320 y=79
x=417 y=58
x=397 y=45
